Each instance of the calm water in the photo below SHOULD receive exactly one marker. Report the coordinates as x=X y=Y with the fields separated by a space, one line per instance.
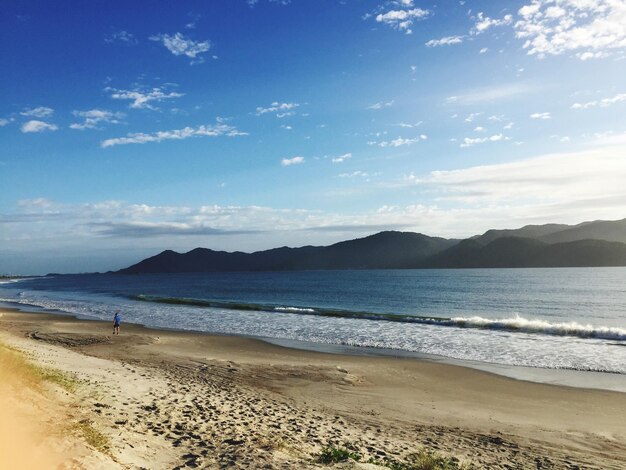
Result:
x=571 y=318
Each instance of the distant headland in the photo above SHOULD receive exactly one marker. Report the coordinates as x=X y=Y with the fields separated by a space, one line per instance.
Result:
x=597 y=243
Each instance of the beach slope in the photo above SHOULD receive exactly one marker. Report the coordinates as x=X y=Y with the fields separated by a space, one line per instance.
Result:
x=164 y=399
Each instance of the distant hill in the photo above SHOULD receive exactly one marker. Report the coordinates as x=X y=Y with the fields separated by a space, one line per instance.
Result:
x=528 y=231
x=380 y=251
x=612 y=231
x=598 y=243
x=516 y=252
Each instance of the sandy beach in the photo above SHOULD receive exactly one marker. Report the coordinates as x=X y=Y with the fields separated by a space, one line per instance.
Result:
x=168 y=399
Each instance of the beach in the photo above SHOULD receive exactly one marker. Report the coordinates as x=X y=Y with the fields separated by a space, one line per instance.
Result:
x=168 y=399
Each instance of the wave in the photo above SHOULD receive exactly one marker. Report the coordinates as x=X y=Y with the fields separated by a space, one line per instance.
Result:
x=516 y=324
x=14 y=280
x=294 y=309
x=525 y=325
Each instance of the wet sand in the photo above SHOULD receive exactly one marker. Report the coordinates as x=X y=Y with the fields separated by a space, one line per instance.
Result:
x=167 y=399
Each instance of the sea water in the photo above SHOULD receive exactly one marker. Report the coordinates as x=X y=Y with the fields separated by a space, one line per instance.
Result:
x=569 y=318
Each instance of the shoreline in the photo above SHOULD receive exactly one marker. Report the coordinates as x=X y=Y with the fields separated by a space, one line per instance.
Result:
x=585 y=379
x=169 y=397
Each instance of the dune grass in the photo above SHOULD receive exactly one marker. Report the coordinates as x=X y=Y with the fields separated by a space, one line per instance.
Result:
x=427 y=460
x=92 y=436
x=337 y=454
x=13 y=362
x=421 y=460
x=23 y=372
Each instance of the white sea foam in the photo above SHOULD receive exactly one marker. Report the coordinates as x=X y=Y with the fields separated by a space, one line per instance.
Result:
x=525 y=325
x=294 y=309
x=12 y=281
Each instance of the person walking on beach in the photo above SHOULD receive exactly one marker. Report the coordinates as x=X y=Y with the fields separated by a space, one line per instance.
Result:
x=117 y=319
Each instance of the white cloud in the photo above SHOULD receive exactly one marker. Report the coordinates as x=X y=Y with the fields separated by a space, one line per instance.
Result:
x=479 y=129
x=470 y=117
x=540 y=116
x=94 y=117
x=400 y=142
x=193 y=22
x=409 y=125
x=252 y=3
x=354 y=174
x=38 y=126
x=483 y=50
x=446 y=41
x=177 y=134
x=3 y=122
x=381 y=105
x=341 y=158
x=483 y=23
x=178 y=45
x=141 y=98
x=591 y=55
x=610 y=138
x=490 y=94
x=603 y=103
x=136 y=224
x=123 y=37
x=292 y=161
x=402 y=20
x=579 y=181
x=591 y=28
x=280 y=109
x=36 y=204
x=40 y=112
x=470 y=142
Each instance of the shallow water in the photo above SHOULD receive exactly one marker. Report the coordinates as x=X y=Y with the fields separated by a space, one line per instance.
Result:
x=573 y=318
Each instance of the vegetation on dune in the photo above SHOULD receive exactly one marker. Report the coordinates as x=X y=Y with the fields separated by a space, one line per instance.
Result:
x=421 y=460
x=426 y=460
x=337 y=454
x=92 y=436
x=13 y=363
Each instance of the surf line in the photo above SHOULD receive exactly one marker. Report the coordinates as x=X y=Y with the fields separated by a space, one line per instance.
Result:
x=515 y=324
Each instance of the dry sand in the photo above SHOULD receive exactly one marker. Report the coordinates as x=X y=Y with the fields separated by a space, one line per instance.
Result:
x=168 y=399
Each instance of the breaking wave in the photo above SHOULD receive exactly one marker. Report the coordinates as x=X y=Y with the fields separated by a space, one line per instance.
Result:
x=525 y=325
x=513 y=324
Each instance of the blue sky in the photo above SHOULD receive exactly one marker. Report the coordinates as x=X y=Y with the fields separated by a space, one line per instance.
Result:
x=128 y=128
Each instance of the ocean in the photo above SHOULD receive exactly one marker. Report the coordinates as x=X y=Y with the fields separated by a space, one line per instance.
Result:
x=570 y=318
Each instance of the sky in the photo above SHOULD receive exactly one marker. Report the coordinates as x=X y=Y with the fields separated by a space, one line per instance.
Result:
x=130 y=128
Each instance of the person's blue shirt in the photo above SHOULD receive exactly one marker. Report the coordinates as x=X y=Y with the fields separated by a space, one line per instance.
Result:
x=117 y=319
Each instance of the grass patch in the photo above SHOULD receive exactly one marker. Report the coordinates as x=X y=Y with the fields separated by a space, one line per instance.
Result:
x=62 y=379
x=13 y=362
x=92 y=436
x=425 y=460
x=422 y=460
x=337 y=454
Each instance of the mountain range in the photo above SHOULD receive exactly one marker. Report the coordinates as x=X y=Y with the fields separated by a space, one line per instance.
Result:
x=597 y=243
